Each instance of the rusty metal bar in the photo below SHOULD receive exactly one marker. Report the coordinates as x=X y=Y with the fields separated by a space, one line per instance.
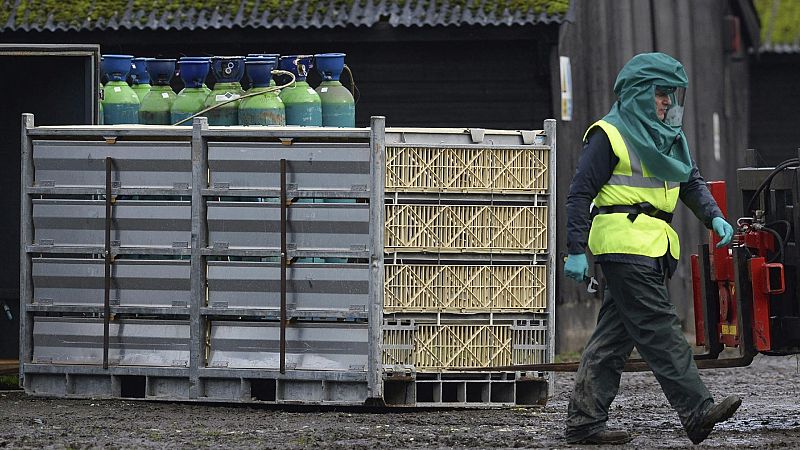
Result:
x=634 y=365
x=107 y=278
x=283 y=266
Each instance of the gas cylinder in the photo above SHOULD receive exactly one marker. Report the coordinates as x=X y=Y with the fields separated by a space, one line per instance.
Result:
x=120 y=103
x=197 y=58
x=156 y=104
x=101 y=119
x=303 y=105
x=191 y=99
x=275 y=56
x=228 y=70
x=267 y=108
x=338 y=106
x=140 y=78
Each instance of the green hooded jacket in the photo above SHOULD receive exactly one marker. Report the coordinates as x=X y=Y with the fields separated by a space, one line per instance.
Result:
x=661 y=147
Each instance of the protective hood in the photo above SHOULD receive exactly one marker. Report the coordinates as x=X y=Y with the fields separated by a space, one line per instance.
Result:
x=661 y=146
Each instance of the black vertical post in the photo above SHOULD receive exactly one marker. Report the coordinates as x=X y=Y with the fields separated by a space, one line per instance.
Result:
x=283 y=266
x=107 y=287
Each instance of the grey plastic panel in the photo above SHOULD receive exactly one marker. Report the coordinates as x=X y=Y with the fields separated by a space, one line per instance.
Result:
x=333 y=226
x=135 y=223
x=309 y=346
x=309 y=286
x=136 y=164
x=69 y=281
x=72 y=340
x=312 y=166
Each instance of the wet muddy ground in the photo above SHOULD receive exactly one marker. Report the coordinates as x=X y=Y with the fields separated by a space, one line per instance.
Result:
x=768 y=418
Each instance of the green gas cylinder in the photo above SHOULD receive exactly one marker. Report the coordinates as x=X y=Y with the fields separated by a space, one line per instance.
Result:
x=156 y=104
x=267 y=108
x=140 y=77
x=101 y=120
x=303 y=105
x=228 y=70
x=275 y=56
x=198 y=58
x=338 y=106
x=191 y=99
x=120 y=103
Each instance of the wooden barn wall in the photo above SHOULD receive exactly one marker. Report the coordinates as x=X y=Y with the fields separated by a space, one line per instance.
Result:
x=774 y=96
x=469 y=76
x=605 y=35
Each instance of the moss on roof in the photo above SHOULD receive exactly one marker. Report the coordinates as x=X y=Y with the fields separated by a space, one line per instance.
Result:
x=780 y=22
x=80 y=13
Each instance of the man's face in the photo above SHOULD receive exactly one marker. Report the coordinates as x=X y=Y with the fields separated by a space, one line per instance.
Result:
x=663 y=103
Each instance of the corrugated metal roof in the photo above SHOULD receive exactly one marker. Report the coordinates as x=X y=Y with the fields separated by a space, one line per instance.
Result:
x=80 y=15
x=780 y=25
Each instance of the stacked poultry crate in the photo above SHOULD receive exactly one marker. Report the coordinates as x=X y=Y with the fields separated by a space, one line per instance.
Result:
x=469 y=272
x=240 y=264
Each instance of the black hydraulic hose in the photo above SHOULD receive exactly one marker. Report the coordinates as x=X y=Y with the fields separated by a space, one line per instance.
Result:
x=786 y=224
x=768 y=180
x=779 y=255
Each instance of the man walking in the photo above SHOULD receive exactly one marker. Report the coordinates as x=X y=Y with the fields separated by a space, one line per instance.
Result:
x=634 y=167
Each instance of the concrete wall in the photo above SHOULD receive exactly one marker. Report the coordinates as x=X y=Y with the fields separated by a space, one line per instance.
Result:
x=604 y=35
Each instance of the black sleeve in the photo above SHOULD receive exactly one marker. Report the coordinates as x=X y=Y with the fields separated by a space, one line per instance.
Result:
x=595 y=166
x=695 y=194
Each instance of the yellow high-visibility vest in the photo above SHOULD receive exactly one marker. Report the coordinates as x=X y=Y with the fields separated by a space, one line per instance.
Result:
x=631 y=184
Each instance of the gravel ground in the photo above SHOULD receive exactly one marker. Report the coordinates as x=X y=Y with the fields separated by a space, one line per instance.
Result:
x=769 y=417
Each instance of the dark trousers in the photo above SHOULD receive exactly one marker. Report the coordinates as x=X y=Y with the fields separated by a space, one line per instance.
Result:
x=636 y=311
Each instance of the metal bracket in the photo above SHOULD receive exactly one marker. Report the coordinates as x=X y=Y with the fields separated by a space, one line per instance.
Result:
x=110 y=139
x=477 y=135
x=286 y=141
x=528 y=137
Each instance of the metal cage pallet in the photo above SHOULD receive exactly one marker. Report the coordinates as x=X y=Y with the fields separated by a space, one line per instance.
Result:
x=465 y=288
x=132 y=234
x=239 y=264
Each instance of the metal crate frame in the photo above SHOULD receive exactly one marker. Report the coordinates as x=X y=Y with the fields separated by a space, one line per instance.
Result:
x=194 y=381
x=198 y=382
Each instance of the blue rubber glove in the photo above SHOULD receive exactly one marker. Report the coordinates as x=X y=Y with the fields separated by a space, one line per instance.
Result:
x=723 y=229
x=576 y=267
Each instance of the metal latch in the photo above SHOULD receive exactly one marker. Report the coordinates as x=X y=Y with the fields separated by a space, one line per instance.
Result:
x=477 y=135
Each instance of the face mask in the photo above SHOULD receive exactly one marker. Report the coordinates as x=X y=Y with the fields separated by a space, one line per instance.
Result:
x=674 y=113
